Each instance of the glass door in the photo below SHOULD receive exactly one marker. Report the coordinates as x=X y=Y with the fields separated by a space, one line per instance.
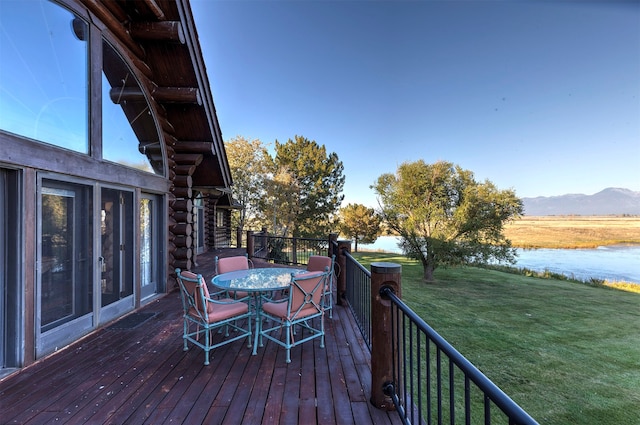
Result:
x=3 y=272
x=11 y=287
x=149 y=237
x=116 y=258
x=65 y=283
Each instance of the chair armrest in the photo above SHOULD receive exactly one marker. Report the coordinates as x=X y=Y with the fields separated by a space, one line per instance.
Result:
x=220 y=293
x=224 y=301
x=271 y=300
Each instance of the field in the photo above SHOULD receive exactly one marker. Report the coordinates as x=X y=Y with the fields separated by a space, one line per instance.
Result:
x=568 y=353
x=573 y=231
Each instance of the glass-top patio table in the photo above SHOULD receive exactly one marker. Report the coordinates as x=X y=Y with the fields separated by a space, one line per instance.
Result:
x=256 y=282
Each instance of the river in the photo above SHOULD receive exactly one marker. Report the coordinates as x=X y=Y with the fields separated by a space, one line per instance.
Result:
x=619 y=263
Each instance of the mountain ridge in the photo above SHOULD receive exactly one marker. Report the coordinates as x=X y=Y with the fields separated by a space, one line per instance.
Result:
x=609 y=201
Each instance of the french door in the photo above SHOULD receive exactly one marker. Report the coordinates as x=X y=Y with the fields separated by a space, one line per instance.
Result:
x=85 y=259
x=3 y=273
x=11 y=307
x=116 y=252
x=150 y=208
x=65 y=258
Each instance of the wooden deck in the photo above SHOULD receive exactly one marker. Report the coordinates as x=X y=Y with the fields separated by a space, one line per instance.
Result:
x=142 y=375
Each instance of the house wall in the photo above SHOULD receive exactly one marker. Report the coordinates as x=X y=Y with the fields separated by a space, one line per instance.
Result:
x=93 y=199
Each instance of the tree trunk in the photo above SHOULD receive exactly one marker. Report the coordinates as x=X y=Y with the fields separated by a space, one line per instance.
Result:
x=428 y=272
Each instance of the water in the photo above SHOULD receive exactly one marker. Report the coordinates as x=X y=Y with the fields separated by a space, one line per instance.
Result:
x=611 y=263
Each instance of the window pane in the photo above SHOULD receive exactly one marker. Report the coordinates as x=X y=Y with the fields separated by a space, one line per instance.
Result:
x=65 y=262
x=116 y=228
x=146 y=253
x=43 y=73
x=129 y=134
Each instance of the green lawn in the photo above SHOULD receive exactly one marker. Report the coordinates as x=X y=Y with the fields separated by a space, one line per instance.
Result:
x=567 y=353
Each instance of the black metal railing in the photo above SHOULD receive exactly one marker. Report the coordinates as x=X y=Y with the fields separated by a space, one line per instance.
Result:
x=434 y=383
x=284 y=250
x=358 y=293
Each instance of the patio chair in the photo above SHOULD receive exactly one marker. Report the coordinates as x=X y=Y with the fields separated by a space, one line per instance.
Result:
x=231 y=264
x=208 y=314
x=320 y=263
x=302 y=305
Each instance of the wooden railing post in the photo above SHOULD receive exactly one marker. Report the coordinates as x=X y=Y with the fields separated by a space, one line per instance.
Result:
x=333 y=237
x=239 y=236
x=341 y=261
x=251 y=249
x=382 y=344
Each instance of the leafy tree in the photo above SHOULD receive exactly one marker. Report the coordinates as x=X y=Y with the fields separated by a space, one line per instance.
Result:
x=359 y=223
x=249 y=164
x=307 y=190
x=280 y=200
x=444 y=216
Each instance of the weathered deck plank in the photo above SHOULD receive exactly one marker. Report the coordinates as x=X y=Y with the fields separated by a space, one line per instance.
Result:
x=142 y=375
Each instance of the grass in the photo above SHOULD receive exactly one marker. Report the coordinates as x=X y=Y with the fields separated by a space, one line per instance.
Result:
x=568 y=353
x=573 y=231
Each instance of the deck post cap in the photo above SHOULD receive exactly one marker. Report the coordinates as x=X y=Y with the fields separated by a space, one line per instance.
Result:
x=383 y=267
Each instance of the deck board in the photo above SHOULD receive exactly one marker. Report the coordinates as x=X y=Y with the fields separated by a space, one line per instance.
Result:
x=142 y=375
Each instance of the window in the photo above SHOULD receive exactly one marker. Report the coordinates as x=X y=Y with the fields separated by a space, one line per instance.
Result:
x=44 y=73
x=129 y=134
x=199 y=225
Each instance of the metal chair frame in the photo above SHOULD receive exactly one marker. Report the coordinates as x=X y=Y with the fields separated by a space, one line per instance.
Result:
x=304 y=304
x=197 y=303
x=236 y=295
x=318 y=263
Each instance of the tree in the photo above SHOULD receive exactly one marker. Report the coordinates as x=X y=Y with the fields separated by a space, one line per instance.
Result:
x=249 y=164
x=280 y=200
x=308 y=191
x=445 y=217
x=359 y=223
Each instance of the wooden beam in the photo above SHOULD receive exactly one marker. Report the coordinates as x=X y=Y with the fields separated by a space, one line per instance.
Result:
x=112 y=16
x=183 y=181
x=183 y=241
x=106 y=16
x=183 y=217
x=182 y=253
x=156 y=9
x=181 y=205
x=129 y=94
x=188 y=158
x=164 y=30
x=160 y=94
x=177 y=95
x=186 y=169
x=169 y=139
x=150 y=148
x=182 y=192
x=195 y=147
x=116 y=10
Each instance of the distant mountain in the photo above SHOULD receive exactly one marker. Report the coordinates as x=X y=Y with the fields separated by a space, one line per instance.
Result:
x=610 y=201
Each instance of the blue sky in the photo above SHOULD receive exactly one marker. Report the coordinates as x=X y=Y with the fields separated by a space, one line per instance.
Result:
x=539 y=97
